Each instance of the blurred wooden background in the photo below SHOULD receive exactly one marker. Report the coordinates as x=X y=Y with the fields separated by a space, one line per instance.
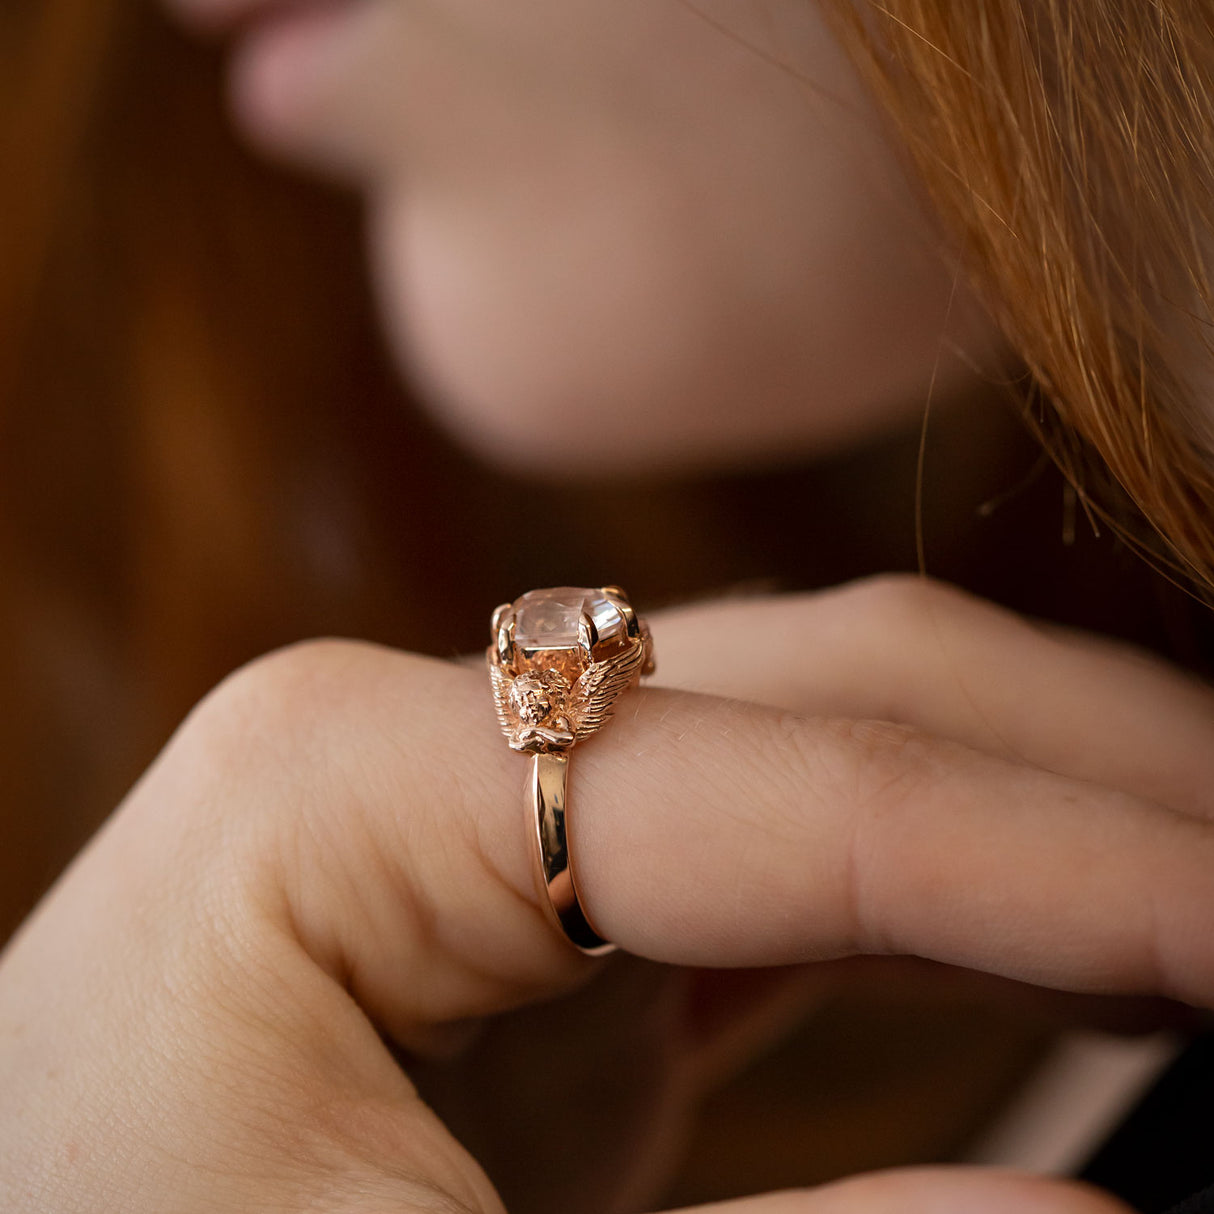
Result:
x=204 y=454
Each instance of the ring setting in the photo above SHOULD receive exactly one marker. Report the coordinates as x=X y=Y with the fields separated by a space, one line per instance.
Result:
x=559 y=660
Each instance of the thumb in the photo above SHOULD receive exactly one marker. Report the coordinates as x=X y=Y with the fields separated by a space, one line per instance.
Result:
x=931 y=1190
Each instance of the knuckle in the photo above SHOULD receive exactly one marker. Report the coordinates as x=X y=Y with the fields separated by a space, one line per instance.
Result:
x=283 y=702
x=878 y=775
x=897 y=770
x=258 y=763
x=897 y=601
x=280 y=686
x=860 y=765
x=872 y=760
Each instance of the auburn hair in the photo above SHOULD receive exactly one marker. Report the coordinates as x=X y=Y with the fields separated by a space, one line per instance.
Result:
x=1070 y=148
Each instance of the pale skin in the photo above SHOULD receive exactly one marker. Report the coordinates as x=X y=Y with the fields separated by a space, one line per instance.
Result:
x=318 y=902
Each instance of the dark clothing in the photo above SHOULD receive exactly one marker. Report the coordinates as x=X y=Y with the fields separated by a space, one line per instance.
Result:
x=1162 y=1154
x=1200 y=1203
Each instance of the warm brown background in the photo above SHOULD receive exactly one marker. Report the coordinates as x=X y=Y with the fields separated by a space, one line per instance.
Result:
x=203 y=455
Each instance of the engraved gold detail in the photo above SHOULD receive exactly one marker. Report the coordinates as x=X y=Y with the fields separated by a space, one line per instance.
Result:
x=559 y=660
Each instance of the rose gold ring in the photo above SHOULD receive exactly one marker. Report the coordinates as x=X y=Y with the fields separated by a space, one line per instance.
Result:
x=559 y=660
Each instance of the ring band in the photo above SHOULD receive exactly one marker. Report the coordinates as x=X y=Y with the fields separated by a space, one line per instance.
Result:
x=559 y=660
x=549 y=775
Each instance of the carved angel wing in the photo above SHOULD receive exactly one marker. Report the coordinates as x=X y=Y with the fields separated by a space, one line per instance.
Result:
x=599 y=686
x=501 y=697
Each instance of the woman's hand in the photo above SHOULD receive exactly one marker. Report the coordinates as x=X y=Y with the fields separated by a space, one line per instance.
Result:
x=323 y=886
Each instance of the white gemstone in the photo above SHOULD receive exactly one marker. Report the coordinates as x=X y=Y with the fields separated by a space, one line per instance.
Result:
x=548 y=619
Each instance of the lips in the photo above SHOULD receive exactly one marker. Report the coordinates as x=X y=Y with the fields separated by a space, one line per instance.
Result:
x=230 y=16
x=289 y=70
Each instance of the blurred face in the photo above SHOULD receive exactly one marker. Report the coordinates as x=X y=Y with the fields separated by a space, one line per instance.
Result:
x=618 y=234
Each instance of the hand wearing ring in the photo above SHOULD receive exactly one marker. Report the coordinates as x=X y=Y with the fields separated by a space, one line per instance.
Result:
x=559 y=660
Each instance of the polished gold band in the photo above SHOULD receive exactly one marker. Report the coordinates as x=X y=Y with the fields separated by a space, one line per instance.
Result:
x=546 y=808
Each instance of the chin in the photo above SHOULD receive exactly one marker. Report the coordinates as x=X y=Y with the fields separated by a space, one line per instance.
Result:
x=639 y=376
x=550 y=376
x=554 y=398
x=522 y=428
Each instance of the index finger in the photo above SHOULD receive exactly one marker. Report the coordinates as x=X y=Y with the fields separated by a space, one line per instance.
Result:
x=715 y=833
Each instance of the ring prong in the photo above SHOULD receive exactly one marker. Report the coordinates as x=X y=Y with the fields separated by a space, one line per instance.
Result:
x=499 y=614
x=649 y=664
x=505 y=642
x=630 y=616
x=587 y=636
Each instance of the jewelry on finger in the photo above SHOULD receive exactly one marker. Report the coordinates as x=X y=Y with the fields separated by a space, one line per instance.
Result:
x=559 y=660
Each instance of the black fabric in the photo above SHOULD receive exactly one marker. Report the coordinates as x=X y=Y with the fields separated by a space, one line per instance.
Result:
x=1200 y=1203
x=1163 y=1152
